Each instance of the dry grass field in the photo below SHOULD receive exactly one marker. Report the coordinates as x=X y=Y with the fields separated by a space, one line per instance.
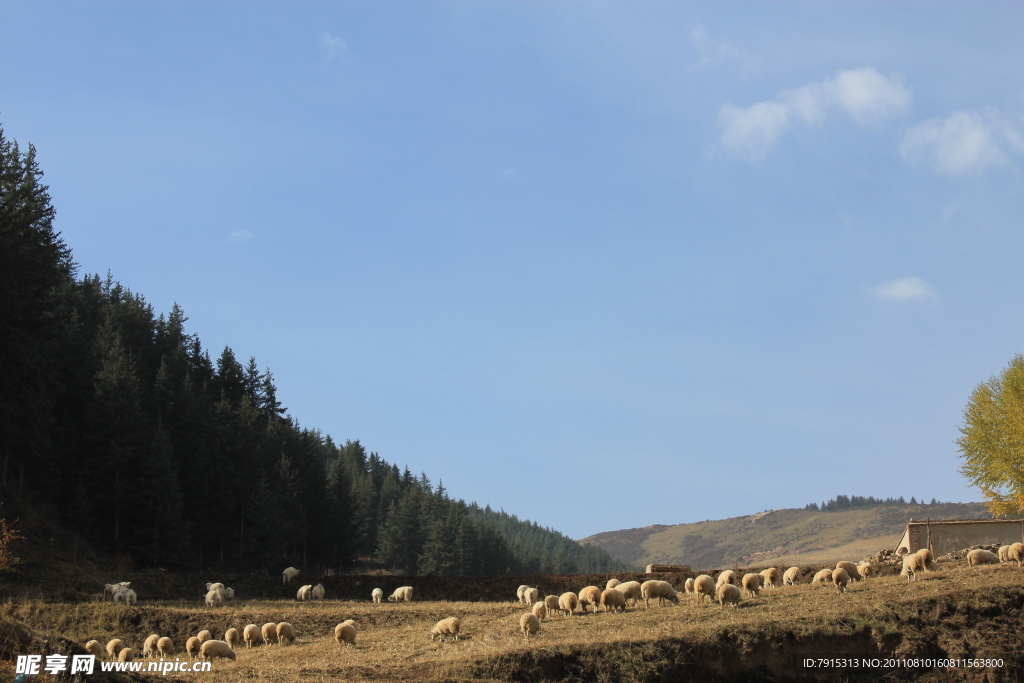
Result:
x=956 y=612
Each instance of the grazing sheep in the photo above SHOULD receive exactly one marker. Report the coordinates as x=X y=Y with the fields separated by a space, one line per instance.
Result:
x=94 y=648
x=126 y=655
x=822 y=577
x=403 y=594
x=204 y=636
x=840 y=577
x=771 y=577
x=231 y=637
x=269 y=633
x=612 y=583
x=591 y=595
x=350 y=621
x=1003 y=553
x=519 y=593
x=531 y=595
x=114 y=588
x=631 y=589
x=551 y=603
x=252 y=636
x=704 y=585
x=728 y=593
x=305 y=593
x=865 y=570
x=219 y=587
x=979 y=556
x=850 y=568
x=688 y=585
x=214 y=598
x=728 y=576
x=345 y=634
x=113 y=647
x=165 y=646
x=791 y=577
x=1016 y=554
x=540 y=610
x=288 y=574
x=125 y=595
x=929 y=559
x=529 y=624
x=751 y=584
x=317 y=592
x=377 y=595
x=913 y=564
x=567 y=603
x=285 y=632
x=229 y=593
x=192 y=646
x=613 y=599
x=448 y=627
x=216 y=648
x=149 y=646
x=662 y=590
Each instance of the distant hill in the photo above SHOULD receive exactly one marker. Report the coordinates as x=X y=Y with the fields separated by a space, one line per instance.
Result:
x=778 y=536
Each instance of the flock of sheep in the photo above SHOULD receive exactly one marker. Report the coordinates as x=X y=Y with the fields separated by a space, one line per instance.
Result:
x=616 y=596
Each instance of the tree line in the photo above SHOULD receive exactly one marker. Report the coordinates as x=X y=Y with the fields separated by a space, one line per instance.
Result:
x=841 y=502
x=119 y=422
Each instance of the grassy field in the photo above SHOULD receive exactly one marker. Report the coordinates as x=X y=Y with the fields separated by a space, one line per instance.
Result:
x=954 y=612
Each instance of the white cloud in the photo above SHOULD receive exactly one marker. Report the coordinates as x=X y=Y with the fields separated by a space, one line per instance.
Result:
x=331 y=44
x=866 y=95
x=239 y=236
x=713 y=51
x=963 y=141
x=902 y=290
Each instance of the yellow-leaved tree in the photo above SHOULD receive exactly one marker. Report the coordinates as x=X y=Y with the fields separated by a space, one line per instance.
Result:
x=992 y=441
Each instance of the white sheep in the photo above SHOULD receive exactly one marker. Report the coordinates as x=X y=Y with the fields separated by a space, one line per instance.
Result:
x=149 y=646
x=192 y=646
x=165 y=647
x=631 y=589
x=866 y=570
x=612 y=583
x=285 y=632
x=791 y=576
x=913 y=564
x=771 y=577
x=113 y=588
x=214 y=598
x=551 y=603
x=317 y=592
x=94 y=648
x=979 y=556
x=728 y=576
x=126 y=655
x=840 y=577
x=304 y=593
x=204 y=636
x=446 y=627
x=704 y=585
x=613 y=599
x=928 y=558
x=540 y=610
x=822 y=577
x=519 y=593
x=231 y=637
x=113 y=647
x=688 y=585
x=288 y=574
x=269 y=633
x=401 y=594
x=529 y=624
x=125 y=595
x=531 y=595
x=751 y=584
x=850 y=568
x=345 y=634
x=377 y=595
x=229 y=593
x=252 y=636
x=591 y=595
x=662 y=590
x=216 y=648
x=567 y=603
x=1004 y=554
x=728 y=593
x=1016 y=554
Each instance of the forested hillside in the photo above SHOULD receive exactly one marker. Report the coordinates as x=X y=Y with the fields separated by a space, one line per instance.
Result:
x=118 y=422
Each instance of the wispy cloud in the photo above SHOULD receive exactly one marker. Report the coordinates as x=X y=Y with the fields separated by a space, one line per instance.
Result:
x=964 y=141
x=332 y=45
x=866 y=95
x=904 y=290
x=239 y=236
x=711 y=51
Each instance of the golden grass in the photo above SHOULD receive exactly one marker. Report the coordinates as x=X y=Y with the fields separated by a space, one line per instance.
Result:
x=393 y=642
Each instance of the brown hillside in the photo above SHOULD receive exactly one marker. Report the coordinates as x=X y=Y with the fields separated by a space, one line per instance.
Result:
x=776 y=537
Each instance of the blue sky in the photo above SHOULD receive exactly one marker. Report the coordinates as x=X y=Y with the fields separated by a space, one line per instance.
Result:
x=602 y=265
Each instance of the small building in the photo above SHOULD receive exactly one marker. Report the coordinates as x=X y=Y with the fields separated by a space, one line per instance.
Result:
x=947 y=535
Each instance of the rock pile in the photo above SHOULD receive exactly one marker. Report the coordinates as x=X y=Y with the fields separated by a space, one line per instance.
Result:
x=961 y=554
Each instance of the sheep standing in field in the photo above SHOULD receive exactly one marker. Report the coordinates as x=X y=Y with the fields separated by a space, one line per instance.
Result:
x=631 y=589
x=729 y=594
x=447 y=627
x=192 y=646
x=612 y=583
x=866 y=570
x=124 y=596
x=165 y=646
x=214 y=598
x=94 y=648
x=252 y=636
x=751 y=584
x=285 y=633
x=126 y=655
x=551 y=604
x=913 y=564
x=318 y=592
x=212 y=649
x=519 y=593
x=567 y=603
x=345 y=634
x=929 y=560
x=229 y=593
x=540 y=610
x=979 y=557
x=288 y=574
x=822 y=577
x=219 y=587
x=791 y=577
x=850 y=568
x=1003 y=554
x=688 y=585
x=531 y=595
x=662 y=590
x=305 y=593
x=269 y=633
x=231 y=637
x=403 y=594
x=113 y=647
x=613 y=599
x=704 y=585
x=529 y=625
x=840 y=578
x=114 y=588
x=728 y=576
x=1016 y=554
x=204 y=636
x=149 y=646
x=377 y=595
x=591 y=595
x=771 y=577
